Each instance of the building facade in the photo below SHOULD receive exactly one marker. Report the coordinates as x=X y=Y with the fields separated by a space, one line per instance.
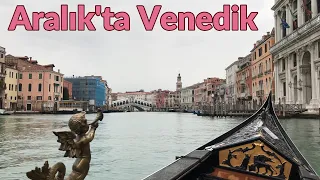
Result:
x=244 y=82
x=2 y=76
x=11 y=92
x=296 y=52
x=231 y=77
x=68 y=86
x=187 y=97
x=39 y=86
x=262 y=68
x=89 y=88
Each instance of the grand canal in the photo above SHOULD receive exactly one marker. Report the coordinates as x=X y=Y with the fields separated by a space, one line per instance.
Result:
x=127 y=146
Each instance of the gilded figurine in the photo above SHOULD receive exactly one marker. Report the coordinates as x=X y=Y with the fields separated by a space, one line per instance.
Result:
x=76 y=144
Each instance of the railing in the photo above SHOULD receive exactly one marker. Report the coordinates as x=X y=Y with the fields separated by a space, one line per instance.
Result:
x=260 y=93
x=267 y=72
x=299 y=31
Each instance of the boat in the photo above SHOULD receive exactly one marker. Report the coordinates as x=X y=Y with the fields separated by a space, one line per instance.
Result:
x=4 y=112
x=257 y=149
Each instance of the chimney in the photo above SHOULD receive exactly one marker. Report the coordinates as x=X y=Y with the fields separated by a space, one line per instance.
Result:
x=30 y=58
x=58 y=70
x=268 y=33
x=254 y=45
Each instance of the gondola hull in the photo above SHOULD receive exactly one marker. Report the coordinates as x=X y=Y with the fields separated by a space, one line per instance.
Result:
x=257 y=149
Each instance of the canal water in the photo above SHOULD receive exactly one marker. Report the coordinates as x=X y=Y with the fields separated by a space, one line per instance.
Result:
x=127 y=146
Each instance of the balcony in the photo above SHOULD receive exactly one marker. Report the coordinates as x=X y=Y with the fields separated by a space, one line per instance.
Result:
x=260 y=93
x=242 y=81
x=294 y=37
x=267 y=72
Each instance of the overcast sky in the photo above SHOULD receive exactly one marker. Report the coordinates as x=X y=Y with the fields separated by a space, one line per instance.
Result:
x=137 y=59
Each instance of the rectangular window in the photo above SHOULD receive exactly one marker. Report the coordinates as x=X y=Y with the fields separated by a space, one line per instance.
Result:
x=307 y=13
x=39 y=98
x=40 y=75
x=319 y=46
x=20 y=87
x=265 y=47
x=284 y=88
x=294 y=60
x=1 y=55
x=30 y=76
x=16 y=75
x=29 y=98
x=49 y=87
x=260 y=52
x=40 y=87
x=29 y=87
x=57 y=78
x=15 y=87
x=283 y=64
x=20 y=76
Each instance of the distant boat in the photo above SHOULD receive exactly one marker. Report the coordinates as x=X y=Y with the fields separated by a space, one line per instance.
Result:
x=256 y=149
x=4 y=112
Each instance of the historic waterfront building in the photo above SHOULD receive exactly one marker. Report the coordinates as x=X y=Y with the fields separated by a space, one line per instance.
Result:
x=2 y=76
x=244 y=82
x=39 y=86
x=296 y=52
x=231 y=75
x=89 y=88
x=262 y=68
x=187 y=97
x=11 y=92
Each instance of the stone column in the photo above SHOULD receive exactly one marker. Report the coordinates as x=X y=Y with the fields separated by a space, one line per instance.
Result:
x=288 y=80
x=299 y=13
x=276 y=27
x=289 y=20
x=314 y=8
x=276 y=87
x=299 y=92
x=312 y=49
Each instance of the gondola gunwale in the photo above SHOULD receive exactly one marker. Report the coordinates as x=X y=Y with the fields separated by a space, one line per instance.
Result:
x=185 y=171
x=236 y=128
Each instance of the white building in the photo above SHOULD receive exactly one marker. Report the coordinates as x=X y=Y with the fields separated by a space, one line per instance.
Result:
x=187 y=97
x=296 y=52
x=231 y=76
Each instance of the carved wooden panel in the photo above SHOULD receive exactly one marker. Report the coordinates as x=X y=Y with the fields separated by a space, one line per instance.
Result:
x=231 y=175
x=256 y=157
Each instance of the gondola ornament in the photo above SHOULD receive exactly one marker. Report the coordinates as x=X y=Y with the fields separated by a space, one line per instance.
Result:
x=76 y=144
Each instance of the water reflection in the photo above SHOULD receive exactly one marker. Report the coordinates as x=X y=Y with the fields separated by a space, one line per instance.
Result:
x=127 y=146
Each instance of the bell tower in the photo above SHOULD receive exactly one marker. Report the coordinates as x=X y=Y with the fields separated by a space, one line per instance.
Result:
x=179 y=83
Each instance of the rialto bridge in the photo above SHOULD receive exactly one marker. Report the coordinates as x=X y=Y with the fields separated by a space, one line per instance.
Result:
x=128 y=103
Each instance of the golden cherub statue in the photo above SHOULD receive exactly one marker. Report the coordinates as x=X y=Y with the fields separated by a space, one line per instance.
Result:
x=76 y=144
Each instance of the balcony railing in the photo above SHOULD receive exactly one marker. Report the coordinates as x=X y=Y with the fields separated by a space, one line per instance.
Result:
x=260 y=93
x=267 y=72
x=300 y=31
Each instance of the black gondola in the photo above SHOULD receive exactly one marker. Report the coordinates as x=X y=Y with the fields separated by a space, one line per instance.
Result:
x=256 y=149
